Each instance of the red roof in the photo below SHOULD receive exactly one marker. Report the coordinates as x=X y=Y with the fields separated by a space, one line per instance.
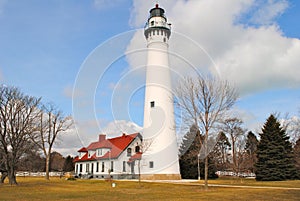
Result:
x=85 y=158
x=83 y=149
x=136 y=156
x=116 y=145
x=97 y=145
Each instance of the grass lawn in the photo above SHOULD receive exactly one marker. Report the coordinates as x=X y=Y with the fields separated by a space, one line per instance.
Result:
x=61 y=189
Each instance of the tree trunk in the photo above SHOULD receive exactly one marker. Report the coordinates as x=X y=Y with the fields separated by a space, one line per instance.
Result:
x=234 y=155
x=3 y=176
x=206 y=173
x=11 y=176
x=47 y=166
x=206 y=154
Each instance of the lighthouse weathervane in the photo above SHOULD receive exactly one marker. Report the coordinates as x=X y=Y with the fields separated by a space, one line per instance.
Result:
x=160 y=157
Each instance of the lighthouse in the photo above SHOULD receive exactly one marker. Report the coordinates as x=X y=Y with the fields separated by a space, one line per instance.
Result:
x=160 y=154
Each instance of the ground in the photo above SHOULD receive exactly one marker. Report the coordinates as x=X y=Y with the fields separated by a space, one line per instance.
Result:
x=223 y=189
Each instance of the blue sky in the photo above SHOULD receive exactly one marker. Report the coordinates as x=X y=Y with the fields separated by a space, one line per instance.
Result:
x=45 y=44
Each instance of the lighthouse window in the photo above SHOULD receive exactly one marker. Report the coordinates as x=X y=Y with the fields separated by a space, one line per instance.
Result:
x=152 y=104
x=151 y=164
x=152 y=23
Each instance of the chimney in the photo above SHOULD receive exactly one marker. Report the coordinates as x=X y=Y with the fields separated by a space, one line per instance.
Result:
x=102 y=137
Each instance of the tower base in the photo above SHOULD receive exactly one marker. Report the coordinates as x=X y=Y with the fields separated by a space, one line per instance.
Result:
x=161 y=177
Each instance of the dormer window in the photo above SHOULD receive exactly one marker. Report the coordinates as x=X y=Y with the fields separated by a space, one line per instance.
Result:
x=137 y=149
x=129 y=152
x=99 y=152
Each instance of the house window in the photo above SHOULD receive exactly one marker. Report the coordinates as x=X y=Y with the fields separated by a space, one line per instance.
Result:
x=124 y=166
x=111 y=166
x=87 y=167
x=152 y=104
x=152 y=23
x=129 y=152
x=92 y=171
x=99 y=152
x=137 y=149
x=80 y=168
x=97 y=167
x=151 y=164
x=102 y=168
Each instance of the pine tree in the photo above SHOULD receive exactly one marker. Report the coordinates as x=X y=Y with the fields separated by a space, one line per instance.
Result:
x=68 y=164
x=221 y=152
x=274 y=154
x=250 y=148
x=189 y=150
x=297 y=155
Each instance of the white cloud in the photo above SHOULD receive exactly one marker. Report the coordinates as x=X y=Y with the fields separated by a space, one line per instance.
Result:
x=68 y=143
x=255 y=58
x=72 y=140
x=117 y=127
x=268 y=12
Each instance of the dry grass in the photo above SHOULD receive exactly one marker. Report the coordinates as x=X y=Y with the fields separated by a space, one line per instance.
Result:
x=60 y=189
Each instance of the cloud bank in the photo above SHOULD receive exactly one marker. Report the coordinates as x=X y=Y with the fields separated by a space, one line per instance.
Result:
x=243 y=39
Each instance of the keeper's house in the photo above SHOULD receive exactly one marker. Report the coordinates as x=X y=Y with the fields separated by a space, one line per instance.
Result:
x=110 y=158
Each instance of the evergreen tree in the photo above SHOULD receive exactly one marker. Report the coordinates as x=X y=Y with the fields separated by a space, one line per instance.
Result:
x=68 y=165
x=275 y=160
x=297 y=155
x=250 y=148
x=189 y=151
x=221 y=152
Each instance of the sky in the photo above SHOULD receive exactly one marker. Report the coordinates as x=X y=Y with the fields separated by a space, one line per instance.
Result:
x=88 y=57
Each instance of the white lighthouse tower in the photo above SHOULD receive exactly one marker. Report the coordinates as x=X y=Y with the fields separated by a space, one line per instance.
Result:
x=160 y=157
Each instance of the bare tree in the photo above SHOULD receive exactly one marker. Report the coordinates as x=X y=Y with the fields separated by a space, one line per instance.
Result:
x=204 y=101
x=51 y=123
x=292 y=127
x=18 y=113
x=143 y=145
x=232 y=127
